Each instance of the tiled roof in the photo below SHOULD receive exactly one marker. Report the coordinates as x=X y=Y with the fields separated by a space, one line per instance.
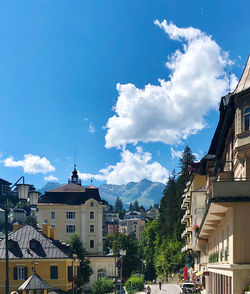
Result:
x=34 y=282
x=244 y=82
x=20 y=245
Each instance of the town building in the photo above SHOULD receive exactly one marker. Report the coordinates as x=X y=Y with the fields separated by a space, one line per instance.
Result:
x=224 y=233
x=128 y=226
x=33 y=250
x=153 y=213
x=111 y=222
x=17 y=215
x=73 y=208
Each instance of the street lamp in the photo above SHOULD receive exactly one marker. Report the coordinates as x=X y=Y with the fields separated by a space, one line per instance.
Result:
x=23 y=192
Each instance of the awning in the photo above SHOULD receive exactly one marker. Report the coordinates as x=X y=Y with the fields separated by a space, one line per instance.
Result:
x=199 y=274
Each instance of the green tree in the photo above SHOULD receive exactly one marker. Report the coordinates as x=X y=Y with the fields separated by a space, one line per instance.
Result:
x=136 y=206
x=118 y=204
x=30 y=220
x=130 y=206
x=148 y=248
x=103 y=286
x=85 y=270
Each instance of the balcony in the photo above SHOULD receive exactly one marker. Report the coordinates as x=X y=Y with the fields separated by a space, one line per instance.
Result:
x=186 y=232
x=186 y=216
x=186 y=247
x=230 y=189
x=186 y=201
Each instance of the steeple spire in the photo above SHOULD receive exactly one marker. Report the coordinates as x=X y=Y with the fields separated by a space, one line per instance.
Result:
x=74 y=177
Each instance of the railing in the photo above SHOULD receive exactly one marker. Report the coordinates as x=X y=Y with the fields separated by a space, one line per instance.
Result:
x=231 y=188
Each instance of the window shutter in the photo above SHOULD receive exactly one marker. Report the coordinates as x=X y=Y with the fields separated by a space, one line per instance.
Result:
x=25 y=273
x=15 y=273
x=70 y=273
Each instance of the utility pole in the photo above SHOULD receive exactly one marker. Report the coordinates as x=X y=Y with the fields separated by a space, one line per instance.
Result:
x=6 y=249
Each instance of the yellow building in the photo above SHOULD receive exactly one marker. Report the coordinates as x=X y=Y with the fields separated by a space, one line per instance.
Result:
x=31 y=250
x=135 y=225
x=74 y=208
x=224 y=234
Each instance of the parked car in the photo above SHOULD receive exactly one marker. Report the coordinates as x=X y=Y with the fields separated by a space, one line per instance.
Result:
x=188 y=288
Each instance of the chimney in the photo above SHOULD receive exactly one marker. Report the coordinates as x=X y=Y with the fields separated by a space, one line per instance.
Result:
x=46 y=230
x=16 y=226
x=53 y=233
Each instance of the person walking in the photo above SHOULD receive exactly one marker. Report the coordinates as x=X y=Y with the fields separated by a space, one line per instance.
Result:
x=159 y=285
x=148 y=290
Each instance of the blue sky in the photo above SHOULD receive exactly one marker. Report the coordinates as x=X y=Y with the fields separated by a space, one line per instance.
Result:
x=73 y=77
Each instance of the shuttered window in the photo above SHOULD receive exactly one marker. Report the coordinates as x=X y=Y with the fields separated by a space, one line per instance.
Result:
x=20 y=273
x=54 y=272
x=70 y=273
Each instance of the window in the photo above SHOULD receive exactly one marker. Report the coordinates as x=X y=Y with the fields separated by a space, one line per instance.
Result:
x=91 y=215
x=70 y=228
x=101 y=274
x=91 y=229
x=54 y=272
x=20 y=273
x=70 y=215
x=52 y=215
x=91 y=203
x=246 y=119
x=91 y=244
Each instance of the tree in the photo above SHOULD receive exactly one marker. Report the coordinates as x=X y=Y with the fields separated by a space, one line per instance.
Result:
x=136 y=206
x=30 y=220
x=85 y=270
x=118 y=204
x=103 y=286
x=130 y=206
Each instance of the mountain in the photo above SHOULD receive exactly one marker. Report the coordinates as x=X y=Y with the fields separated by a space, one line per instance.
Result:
x=49 y=186
x=145 y=192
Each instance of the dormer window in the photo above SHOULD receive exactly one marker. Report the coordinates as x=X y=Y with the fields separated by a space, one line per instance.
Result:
x=246 y=119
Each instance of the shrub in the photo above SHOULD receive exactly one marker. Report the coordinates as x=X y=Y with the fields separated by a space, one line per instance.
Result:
x=135 y=283
x=103 y=286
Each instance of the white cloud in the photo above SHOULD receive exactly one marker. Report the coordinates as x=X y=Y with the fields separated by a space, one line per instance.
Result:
x=132 y=167
x=50 y=178
x=174 y=109
x=91 y=128
x=31 y=164
x=176 y=153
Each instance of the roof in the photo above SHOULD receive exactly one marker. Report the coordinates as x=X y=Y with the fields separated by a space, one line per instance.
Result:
x=69 y=188
x=3 y=182
x=30 y=243
x=17 y=210
x=244 y=82
x=71 y=194
x=34 y=282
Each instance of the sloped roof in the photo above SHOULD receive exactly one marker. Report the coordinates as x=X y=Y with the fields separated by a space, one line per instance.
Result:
x=71 y=194
x=34 y=282
x=20 y=245
x=244 y=82
x=69 y=188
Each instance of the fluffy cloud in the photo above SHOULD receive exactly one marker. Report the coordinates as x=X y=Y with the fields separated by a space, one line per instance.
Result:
x=50 y=178
x=174 y=109
x=31 y=164
x=132 y=167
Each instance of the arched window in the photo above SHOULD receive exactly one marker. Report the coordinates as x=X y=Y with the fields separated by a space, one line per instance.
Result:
x=101 y=274
x=246 y=119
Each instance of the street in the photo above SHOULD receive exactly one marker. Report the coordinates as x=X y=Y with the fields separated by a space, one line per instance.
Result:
x=165 y=289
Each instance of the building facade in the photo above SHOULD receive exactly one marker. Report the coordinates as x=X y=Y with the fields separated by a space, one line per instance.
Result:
x=31 y=250
x=128 y=226
x=74 y=209
x=224 y=234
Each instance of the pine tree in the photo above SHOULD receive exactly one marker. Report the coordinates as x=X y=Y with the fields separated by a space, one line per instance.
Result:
x=136 y=205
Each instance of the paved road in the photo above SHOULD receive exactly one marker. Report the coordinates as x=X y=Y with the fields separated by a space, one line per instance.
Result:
x=165 y=289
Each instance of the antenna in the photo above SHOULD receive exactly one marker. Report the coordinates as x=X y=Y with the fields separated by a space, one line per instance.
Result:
x=74 y=157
